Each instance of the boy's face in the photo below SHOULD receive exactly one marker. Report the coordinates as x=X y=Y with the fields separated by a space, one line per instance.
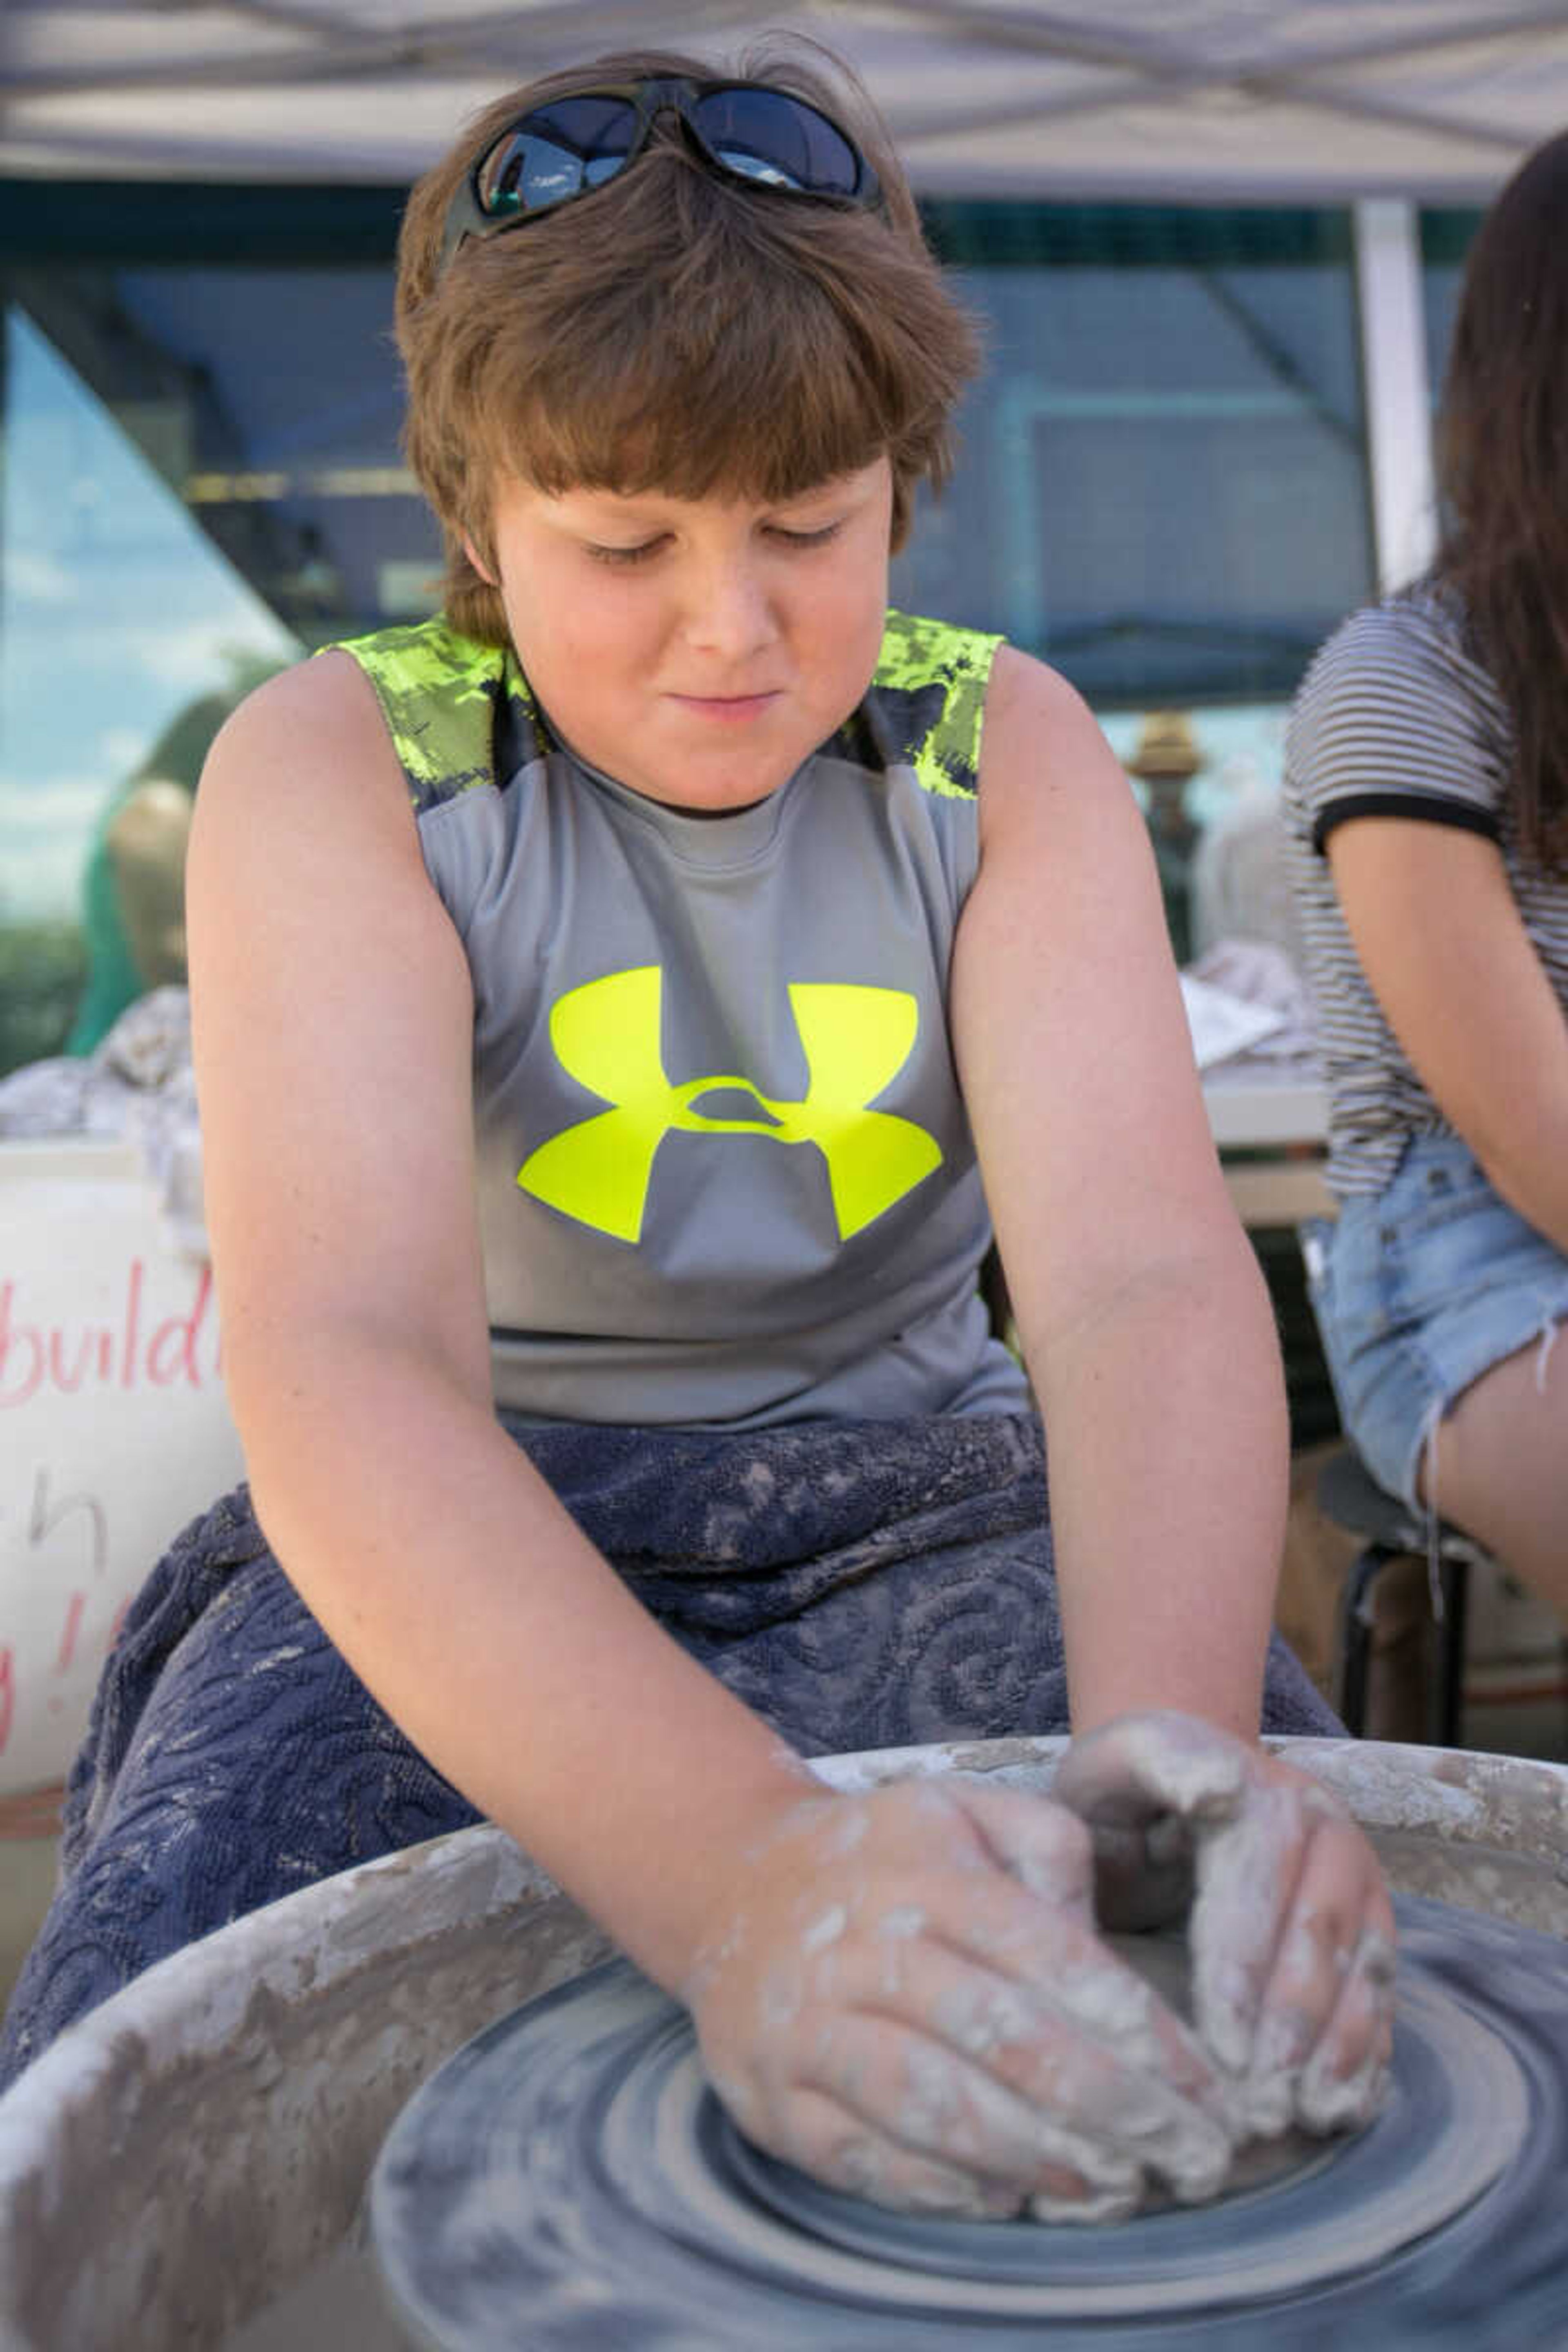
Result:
x=696 y=649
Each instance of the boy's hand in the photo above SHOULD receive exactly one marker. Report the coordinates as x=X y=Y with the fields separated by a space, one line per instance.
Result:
x=904 y=1995
x=1292 y=1929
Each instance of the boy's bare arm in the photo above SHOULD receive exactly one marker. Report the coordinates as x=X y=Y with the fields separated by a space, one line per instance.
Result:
x=1148 y=1334
x=333 y=1024
x=1144 y=1319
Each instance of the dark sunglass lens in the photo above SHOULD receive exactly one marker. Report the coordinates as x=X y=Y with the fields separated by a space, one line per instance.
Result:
x=765 y=135
x=555 y=152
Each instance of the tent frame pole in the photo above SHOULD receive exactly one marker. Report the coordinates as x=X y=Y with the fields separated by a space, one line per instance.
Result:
x=1396 y=392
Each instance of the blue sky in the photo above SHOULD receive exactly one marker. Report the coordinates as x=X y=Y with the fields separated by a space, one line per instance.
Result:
x=116 y=609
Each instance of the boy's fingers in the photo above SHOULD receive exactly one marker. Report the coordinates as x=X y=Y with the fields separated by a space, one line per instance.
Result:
x=1298 y=2026
x=1119 y=2070
x=1345 y=2081
x=1048 y=1851
x=1286 y=1889
x=1037 y=1840
x=1247 y=1872
x=1044 y=2005
x=921 y=2101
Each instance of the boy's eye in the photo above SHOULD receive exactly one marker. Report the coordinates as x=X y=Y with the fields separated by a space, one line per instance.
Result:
x=818 y=538
x=626 y=555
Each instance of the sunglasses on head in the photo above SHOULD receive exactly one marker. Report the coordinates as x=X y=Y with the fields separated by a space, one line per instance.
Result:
x=569 y=146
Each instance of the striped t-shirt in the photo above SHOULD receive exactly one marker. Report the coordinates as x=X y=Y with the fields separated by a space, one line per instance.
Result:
x=1395 y=718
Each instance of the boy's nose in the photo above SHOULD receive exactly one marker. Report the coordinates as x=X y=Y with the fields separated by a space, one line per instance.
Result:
x=731 y=611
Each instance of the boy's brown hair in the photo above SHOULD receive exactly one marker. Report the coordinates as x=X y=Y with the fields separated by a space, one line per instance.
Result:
x=675 y=331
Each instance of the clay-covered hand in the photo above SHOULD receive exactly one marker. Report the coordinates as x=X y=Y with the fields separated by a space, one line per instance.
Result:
x=904 y=1994
x=1291 y=1931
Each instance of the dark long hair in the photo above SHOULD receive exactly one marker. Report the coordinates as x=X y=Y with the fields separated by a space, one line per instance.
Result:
x=1502 y=458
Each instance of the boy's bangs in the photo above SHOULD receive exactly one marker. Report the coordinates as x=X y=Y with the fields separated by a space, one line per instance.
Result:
x=765 y=424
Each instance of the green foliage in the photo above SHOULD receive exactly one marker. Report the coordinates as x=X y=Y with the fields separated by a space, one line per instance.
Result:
x=43 y=966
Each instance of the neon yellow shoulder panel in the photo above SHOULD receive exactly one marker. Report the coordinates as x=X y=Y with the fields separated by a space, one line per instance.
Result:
x=445 y=698
x=930 y=693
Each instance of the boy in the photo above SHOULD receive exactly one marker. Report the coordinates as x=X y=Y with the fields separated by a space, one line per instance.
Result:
x=625 y=1004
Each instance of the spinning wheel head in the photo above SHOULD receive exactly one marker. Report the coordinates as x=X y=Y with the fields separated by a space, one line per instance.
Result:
x=569 y=2174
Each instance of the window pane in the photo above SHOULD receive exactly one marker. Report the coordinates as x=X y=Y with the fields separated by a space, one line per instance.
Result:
x=1163 y=489
x=1163 y=485
x=200 y=479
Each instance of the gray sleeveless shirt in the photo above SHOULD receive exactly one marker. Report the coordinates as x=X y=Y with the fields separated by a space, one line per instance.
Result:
x=724 y=1171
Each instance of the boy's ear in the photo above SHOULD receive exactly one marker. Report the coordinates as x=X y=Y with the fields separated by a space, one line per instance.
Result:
x=478 y=560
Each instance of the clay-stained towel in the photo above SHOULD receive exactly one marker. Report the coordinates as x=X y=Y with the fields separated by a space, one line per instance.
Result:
x=860 y=1584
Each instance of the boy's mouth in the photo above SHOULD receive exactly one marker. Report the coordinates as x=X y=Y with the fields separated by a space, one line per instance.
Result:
x=719 y=708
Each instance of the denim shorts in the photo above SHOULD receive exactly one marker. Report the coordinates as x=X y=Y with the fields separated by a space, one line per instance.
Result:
x=1418 y=1290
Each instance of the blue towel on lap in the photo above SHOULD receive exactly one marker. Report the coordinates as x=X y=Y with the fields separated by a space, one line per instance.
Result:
x=859 y=1584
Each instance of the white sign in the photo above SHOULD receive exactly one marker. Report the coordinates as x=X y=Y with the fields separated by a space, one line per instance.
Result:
x=114 y=1430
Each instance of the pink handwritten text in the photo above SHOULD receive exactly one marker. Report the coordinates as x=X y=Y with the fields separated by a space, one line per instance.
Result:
x=131 y=1352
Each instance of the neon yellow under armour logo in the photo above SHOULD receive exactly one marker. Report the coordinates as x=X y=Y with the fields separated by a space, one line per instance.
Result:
x=606 y=1036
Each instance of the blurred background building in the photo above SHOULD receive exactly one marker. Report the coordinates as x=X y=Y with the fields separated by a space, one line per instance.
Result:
x=1214 y=246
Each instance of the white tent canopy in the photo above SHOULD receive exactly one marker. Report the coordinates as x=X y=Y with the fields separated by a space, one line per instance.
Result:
x=1216 y=99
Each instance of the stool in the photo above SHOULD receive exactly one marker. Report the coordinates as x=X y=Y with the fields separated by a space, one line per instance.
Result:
x=1349 y=1496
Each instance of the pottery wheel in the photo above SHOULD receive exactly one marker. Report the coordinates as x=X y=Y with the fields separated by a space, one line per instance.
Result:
x=567 y=2179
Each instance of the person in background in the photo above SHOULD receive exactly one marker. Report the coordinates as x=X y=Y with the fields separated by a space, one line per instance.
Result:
x=1165 y=758
x=622 y=1006
x=1427 y=803
x=133 y=894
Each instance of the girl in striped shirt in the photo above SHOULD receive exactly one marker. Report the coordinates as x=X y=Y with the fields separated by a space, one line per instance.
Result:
x=1427 y=809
